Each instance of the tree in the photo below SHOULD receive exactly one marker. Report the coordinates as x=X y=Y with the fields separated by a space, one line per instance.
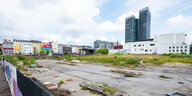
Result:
x=34 y=50
x=42 y=52
x=103 y=51
x=0 y=51
x=47 y=52
x=191 y=49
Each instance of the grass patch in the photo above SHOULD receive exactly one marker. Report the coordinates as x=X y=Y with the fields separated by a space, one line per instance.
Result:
x=27 y=73
x=126 y=60
x=84 y=88
x=110 y=90
x=165 y=77
x=105 y=84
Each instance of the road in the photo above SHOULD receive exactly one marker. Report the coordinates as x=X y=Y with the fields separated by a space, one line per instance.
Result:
x=149 y=84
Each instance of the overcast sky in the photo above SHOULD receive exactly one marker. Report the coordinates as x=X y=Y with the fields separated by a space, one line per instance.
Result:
x=83 y=21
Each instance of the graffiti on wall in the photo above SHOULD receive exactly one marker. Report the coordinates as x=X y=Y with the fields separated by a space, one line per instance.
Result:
x=46 y=47
x=11 y=77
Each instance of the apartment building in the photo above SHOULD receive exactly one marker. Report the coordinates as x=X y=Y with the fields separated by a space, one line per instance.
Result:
x=7 y=47
x=35 y=46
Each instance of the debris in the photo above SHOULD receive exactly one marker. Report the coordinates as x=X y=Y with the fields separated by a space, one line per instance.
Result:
x=180 y=82
x=33 y=65
x=46 y=83
x=61 y=92
x=174 y=93
x=75 y=61
x=163 y=76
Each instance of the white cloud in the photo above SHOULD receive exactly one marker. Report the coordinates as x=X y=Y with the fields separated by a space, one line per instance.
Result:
x=179 y=20
x=52 y=20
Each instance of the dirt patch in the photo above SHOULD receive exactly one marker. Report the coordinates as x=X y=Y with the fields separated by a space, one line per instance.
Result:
x=71 y=64
x=69 y=80
x=50 y=85
x=60 y=92
x=177 y=65
x=55 y=76
x=126 y=74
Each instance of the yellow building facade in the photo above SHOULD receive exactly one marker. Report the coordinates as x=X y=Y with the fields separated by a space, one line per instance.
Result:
x=18 y=48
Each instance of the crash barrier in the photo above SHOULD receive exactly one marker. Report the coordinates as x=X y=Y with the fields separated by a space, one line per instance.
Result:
x=19 y=84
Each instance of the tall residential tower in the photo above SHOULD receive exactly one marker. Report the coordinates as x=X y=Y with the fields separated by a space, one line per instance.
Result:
x=144 y=24
x=138 y=29
x=131 y=29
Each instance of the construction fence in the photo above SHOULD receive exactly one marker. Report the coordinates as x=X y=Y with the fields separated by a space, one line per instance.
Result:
x=19 y=84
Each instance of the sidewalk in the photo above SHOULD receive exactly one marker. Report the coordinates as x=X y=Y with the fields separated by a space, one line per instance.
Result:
x=4 y=88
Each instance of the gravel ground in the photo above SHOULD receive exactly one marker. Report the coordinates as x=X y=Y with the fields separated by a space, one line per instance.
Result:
x=148 y=84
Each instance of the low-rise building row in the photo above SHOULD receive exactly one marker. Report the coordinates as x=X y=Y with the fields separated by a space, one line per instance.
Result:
x=29 y=47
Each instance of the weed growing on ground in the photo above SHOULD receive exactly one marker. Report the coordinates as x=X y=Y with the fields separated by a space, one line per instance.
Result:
x=110 y=90
x=163 y=76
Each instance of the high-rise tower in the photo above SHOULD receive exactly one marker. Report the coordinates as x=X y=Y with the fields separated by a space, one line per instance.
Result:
x=144 y=24
x=131 y=29
x=138 y=29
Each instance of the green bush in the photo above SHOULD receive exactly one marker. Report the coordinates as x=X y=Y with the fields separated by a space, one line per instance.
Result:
x=61 y=82
x=56 y=57
x=21 y=57
x=132 y=61
x=116 y=62
x=155 y=59
x=103 y=51
x=84 y=87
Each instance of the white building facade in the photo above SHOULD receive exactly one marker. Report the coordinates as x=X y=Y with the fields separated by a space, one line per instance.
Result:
x=55 y=47
x=60 y=49
x=172 y=43
x=141 y=47
x=27 y=47
x=164 y=43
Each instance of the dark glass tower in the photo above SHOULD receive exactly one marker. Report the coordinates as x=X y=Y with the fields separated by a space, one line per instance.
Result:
x=131 y=29
x=144 y=24
x=138 y=29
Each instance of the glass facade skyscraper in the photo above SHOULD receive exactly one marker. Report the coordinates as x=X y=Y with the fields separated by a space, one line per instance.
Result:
x=131 y=28
x=144 y=24
x=138 y=29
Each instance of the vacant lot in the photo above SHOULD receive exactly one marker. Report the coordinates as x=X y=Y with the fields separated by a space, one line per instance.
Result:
x=151 y=81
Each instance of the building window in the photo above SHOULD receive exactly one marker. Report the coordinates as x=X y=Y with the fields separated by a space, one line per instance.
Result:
x=181 y=46
x=146 y=50
x=173 y=47
x=135 y=49
x=177 y=50
x=181 y=50
x=152 y=44
x=185 y=46
x=169 y=50
x=177 y=47
x=185 y=50
x=173 y=50
x=139 y=45
x=169 y=47
x=150 y=50
x=143 y=44
x=134 y=45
